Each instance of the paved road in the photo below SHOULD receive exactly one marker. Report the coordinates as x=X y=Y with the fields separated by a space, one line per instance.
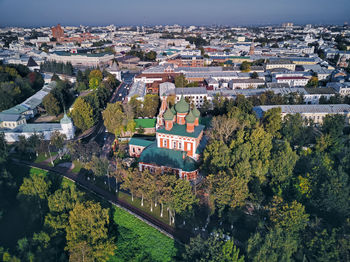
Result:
x=176 y=234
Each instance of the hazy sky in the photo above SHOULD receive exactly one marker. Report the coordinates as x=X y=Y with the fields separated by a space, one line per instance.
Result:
x=184 y=12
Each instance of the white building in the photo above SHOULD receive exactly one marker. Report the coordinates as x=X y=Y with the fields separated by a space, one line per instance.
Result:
x=315 y=113
x=245 y=83
x=341 y=88
x=78 y=59
x=280 y=64
x=114 y=70
x=14 y=126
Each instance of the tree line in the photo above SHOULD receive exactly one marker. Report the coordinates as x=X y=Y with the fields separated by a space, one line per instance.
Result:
x=59 y=98
x=63 y=223
x=17 y=83
x=57 y=67
x=87 y=109
x=119 y=118
x=279 y=187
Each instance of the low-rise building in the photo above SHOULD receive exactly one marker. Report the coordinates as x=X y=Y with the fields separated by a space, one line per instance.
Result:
x=245 y=83
x=137 y=89
x=314 y=113
x=293 y=80
x=341 y=88
x=280 y=64
x=14 y=126
x=82 y=59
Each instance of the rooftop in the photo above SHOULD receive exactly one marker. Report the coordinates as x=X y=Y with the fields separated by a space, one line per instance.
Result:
x=180 y=130
x=295 y=109
x=167 y=157
x=140 y=142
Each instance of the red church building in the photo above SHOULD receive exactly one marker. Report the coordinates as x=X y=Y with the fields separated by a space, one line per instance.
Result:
x=179 y=142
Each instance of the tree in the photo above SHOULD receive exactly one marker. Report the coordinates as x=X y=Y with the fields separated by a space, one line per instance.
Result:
x=282 y=164
x=151 y=56
x=245 y=66
x=222 y=128
x=36 y=188
x=136 y=106
x=313 y=82
x=150 y=105
x=82 y=114
x=129 y=182
x=291 y=217
x=254 y=75
x=277 y=245
x=57 y=140
x=99 y=166
x=226 y=190
x=96 y=74
x=87 y=233
x=60 y=204
x=94 y=83
x=324 y=247
x=83 y=151
x=183 y=197
x=272 y=121
x=333 y=125
x=113 y=118
x=215 y=248
x=180 y=81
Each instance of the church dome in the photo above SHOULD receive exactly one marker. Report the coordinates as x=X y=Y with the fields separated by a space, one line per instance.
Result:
x=190 y=118
x=168 y=115
x=196 y=112
x=66 y=120
x=182 y=106
x=173 y=110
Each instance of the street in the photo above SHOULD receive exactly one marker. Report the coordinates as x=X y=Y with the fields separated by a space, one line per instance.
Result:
x=103 y=138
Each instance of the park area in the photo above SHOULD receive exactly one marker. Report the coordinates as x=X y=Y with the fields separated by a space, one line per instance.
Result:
x=133 y=240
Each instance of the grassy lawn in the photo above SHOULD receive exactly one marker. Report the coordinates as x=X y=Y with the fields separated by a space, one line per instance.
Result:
x=41 y=157
x=140 y=240
x=77 y=166
x=146 y=207
x=137 y=203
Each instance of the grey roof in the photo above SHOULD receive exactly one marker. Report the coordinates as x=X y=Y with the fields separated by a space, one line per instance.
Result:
x=18 y=109
x=191 y=91
x=10 y=117
x=32 y=128
x=249 y=80
x=138 y=89
x=294 y=109
x=166 y=88
x=277 y=85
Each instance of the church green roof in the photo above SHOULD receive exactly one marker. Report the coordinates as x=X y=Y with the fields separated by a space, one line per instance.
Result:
x=167 y=157
x=168 y=115
x=180 y=130
x=182 y=106
x=173 y=110
x=196 y=112
x=140 y=142
x=190 y=118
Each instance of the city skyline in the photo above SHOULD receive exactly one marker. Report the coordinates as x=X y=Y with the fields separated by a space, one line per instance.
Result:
x=221 y=12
